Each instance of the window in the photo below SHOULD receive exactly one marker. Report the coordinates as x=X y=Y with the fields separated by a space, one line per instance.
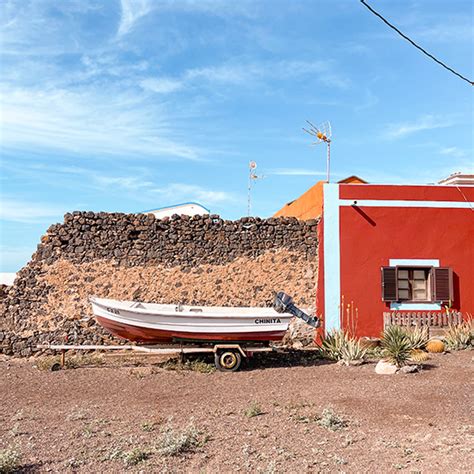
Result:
x=417 y=284
x=413 y=284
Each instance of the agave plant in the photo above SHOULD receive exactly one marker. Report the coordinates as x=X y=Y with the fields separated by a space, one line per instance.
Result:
x=352 y=352
x=396 y=345
x=333 y=343
x=418 y=337
x=459 y=336
x=338 y=345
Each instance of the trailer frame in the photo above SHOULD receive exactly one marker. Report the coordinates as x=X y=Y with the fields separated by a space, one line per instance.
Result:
x=227 y=357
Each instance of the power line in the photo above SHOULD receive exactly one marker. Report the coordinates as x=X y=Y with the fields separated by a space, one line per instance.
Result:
x=415 y=45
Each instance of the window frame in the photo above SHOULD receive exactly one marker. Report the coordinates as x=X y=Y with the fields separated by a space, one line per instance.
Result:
x=389 y=284
x=429 y=283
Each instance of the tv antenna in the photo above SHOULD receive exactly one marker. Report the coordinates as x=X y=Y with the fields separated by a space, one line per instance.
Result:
x=323 y=135
x=252 y=177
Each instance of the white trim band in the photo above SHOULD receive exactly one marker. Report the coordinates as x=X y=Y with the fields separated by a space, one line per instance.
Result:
x=332 y=261
x=394 y=203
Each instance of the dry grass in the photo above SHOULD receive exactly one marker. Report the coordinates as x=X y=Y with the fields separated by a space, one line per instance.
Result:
x=71 y=362
x=194 y=365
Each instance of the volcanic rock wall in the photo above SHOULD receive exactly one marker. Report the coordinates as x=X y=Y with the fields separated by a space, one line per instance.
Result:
x=188 y=260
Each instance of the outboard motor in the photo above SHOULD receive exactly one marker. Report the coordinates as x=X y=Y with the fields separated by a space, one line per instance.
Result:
x=284 y=304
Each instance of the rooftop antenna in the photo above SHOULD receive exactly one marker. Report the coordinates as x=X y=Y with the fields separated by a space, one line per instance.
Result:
x=252 y=177
x=323 y=135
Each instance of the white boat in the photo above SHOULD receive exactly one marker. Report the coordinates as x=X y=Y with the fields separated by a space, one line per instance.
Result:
x=166 y=323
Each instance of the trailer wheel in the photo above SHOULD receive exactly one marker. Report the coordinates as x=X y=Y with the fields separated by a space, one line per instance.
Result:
x=55 y=367
x=228 y=361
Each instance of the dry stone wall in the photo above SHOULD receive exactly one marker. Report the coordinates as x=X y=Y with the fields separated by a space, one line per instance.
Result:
x=192 y=260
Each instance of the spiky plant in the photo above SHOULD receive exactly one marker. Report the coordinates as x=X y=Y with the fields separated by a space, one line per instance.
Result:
x=418 y=337
x=352 y=352
x=396 y=346
x=332 y=345
x=417 y=355
x=459 y=336
x=435 y=345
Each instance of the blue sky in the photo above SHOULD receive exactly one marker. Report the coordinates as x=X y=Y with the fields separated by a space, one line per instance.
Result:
x=134 y=104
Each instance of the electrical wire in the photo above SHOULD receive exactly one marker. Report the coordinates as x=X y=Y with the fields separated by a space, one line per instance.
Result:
x=415 y=45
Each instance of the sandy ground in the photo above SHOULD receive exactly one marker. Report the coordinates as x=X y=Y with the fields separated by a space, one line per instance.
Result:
x=88 y=419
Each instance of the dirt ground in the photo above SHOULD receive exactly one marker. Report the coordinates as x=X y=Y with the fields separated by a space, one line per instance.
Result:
x=101 y=419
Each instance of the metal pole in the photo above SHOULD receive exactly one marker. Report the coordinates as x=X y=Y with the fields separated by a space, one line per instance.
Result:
x=328 y=160
x=248 y=198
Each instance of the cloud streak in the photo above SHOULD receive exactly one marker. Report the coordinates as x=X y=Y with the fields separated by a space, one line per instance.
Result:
x=14 y=210
x=425 y=122
x=89 y=122
x=132 y=11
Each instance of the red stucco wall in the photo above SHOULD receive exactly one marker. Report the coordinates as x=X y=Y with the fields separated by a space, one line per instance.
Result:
x=371 y=236
x=367 y=243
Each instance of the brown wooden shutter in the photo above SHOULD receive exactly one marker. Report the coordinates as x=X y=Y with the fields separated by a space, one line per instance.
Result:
x=389 y=283
x=442 y=284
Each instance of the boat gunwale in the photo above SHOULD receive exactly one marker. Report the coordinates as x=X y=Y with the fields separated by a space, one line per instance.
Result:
x=252 y=311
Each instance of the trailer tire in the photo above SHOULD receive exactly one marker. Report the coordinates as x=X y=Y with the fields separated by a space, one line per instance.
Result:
x=228 y=361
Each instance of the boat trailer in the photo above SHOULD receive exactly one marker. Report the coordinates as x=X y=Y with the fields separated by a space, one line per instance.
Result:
x=227 y=357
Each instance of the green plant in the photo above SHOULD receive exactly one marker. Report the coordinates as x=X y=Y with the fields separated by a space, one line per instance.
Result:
x=178 y=442
x=459 y=336
x=338 y=345
x=331 y=420
x=396 y=345
x=9 y=461
x=252 y=410
x=418 y=337
x=332 y=345
x=352 y=352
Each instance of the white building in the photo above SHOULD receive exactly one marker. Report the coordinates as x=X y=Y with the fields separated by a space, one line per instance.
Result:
x=458 y=179
x=7 y=278
x=186 y=209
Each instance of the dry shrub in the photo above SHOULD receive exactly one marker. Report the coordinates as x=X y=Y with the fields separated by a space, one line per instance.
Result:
x=254 y=409
x=9 y=461
x=135 y=456
x=175 y=442
x=331 y=420
x=460 y=336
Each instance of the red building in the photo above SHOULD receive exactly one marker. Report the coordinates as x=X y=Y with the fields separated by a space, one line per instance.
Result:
x=394 y=248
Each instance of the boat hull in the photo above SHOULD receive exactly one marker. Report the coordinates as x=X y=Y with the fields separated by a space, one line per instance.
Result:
x=164 y=324
x=157 y=336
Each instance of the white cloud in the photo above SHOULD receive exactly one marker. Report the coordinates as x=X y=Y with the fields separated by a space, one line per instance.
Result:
x=425 y=122
x=190 y=192
x=132 y=11
x=161 y=85
x=453 y=151
x=14 y=210
x=89 y=121
x=297 y=172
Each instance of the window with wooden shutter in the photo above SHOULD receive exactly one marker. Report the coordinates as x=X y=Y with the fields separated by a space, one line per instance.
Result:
x=442 y=284
x=389 y=283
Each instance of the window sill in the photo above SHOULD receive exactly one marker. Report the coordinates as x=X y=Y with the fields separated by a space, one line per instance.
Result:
x=410 y=306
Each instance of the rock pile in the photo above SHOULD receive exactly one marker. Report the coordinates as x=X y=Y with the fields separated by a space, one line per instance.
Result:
x=198 y=260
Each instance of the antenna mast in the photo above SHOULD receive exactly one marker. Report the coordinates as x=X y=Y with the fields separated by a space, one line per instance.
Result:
x=252 y=177
x=323 y=134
